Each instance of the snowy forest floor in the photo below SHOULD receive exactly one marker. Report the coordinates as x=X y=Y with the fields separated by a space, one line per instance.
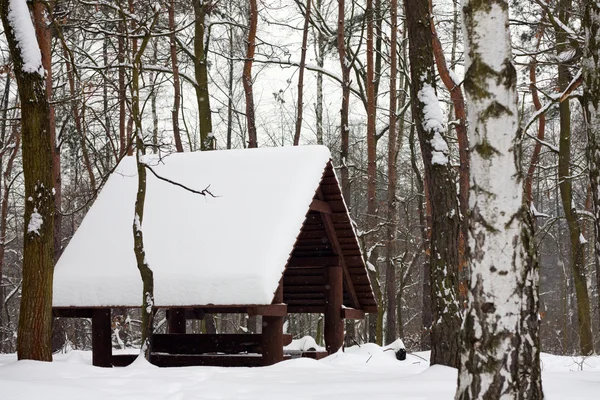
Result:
x=365 y=372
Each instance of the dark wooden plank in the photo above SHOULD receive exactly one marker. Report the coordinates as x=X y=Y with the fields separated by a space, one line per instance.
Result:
x=206 y=343
x=352 y=313
x=123 y=360
x=299 y=262
x=271 y=310
x=187 y=360
x=315 y=355
x=320 y=206
x=299 y=309
x=73 y=312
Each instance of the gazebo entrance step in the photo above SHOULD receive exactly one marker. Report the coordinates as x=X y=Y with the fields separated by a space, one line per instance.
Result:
x=188 y=360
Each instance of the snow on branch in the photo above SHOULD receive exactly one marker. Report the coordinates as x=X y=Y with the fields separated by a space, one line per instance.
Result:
x=22 y=26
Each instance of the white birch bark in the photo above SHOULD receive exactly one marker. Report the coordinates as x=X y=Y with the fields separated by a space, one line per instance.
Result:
x=500 y=326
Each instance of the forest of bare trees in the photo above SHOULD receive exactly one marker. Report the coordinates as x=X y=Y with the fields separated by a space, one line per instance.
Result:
x=386 y=85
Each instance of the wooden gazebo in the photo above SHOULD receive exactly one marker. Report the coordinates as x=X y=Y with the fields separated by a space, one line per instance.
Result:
x=275 y=239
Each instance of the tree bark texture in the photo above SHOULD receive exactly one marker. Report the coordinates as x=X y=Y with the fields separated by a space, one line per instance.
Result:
x=439 y=182
x=500 y=346
x=586 y=342
x=301 y=73
x=247 y=76
x=176 y=83
x=345 y=65
x=201 y=70
x=392 y=212
x=35 y=318
x=591 y=101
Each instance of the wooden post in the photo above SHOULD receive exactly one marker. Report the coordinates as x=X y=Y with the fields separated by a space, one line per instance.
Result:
x=334 y=296
x=101 y=338
x=272 y=333
x=176 y=320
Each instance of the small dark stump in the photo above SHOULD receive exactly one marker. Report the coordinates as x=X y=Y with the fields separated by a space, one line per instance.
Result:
x=401 y=354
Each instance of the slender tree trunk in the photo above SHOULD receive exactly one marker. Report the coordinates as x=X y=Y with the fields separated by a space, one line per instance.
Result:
x=75 y=107
x=230 y=89
x=320 y=59
x=392 y=212
x=345 y=65
x=35 y=317
x=591 y=100
x=122 y=90
x=586 y=342
x=201 y=69
x=301 y=73
x=176 y=83
x=247 y=75
x=500 y=346
x=439 y=183
x=541 y=121
x=138 y=220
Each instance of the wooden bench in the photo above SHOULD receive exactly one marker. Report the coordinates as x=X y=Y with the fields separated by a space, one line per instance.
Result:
x=223 y=350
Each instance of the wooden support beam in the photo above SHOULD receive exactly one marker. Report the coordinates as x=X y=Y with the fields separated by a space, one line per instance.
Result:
x=334 y=324
x=176 y=320
x=101 y=338
x=352 y=313
x=272 y=332
x=320 y=206
x=333 y=239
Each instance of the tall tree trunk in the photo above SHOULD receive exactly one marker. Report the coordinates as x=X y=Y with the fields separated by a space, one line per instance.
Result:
x=345 y=65
x=230 y=88
x=439 y=183
x=42 y=24
x=586 y=342
x=500 y=346
x=320 y=59
x=247 y=75
x=35 y=317
x=201 y=69
x=138 y=220
x=176 y=83
x=301 y=74
x=392 y=213
x=122 y=90
x=460 y=115
x=591 y=101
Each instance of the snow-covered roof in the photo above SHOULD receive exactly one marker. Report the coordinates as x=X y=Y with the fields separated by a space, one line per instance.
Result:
x=230 y=249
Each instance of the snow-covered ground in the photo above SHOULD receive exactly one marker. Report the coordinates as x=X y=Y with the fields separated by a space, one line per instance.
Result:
x=367 y=372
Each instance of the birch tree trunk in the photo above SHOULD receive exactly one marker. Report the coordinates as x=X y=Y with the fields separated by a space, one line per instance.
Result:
x=500 y=347
x=440 y=185
x=591 y=101
x=35 y=317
